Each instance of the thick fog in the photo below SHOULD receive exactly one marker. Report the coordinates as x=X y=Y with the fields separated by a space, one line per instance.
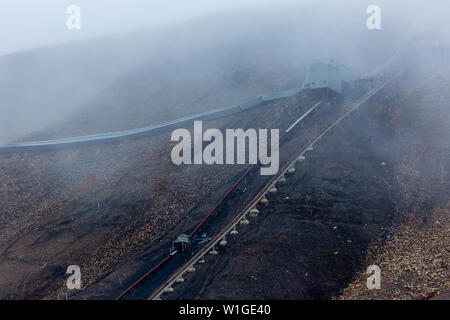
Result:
x=135 y=63
x=26 y=24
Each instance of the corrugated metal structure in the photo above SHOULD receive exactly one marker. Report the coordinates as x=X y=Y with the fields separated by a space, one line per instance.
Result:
x=328 y=75
x=150 y=130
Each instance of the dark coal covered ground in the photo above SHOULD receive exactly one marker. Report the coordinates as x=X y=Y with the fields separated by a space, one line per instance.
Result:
x=97 y=206
x=373 y=191
x=381 y=174
x=313 y=234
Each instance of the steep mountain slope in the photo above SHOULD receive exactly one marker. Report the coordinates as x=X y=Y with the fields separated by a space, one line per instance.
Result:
x=414 y=256
x=98 y=205
x=374 y=191
x=148 y=76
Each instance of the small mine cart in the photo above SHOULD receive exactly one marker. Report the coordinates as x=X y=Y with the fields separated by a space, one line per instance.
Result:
x=181 y=243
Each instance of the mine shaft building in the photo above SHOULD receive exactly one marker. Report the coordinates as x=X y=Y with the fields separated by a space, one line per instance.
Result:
x=336 y=77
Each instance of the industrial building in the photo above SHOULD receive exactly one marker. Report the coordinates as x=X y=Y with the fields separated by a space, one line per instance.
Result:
x=336 y=77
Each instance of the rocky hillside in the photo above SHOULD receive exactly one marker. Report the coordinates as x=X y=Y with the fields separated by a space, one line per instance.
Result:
x=414 y=254
x=148 y=76
x=374 y=191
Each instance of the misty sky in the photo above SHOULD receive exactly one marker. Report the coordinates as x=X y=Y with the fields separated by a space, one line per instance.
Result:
x=36 y=87
x=27 y=24
x=32 y=23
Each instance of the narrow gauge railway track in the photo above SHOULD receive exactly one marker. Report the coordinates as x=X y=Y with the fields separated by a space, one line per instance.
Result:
x=211 y=211
x=299 y=156
x=242 y=213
